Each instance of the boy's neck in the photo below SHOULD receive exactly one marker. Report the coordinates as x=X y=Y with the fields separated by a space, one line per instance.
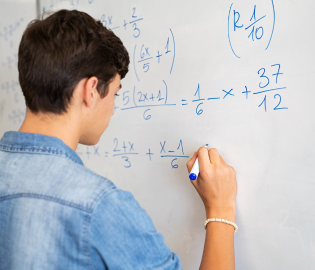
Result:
x=62 y=126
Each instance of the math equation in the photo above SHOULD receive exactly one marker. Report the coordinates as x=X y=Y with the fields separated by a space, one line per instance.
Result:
x=143 y=57
x=130 y=24
x=11 y=88
x=250 y=26
x=269 y=81
x=269 y=85
x=125 y=152
x=7 y=31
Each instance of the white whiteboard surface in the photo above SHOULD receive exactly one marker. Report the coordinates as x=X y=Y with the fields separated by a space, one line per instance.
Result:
x=14 y=17
x=185 y=59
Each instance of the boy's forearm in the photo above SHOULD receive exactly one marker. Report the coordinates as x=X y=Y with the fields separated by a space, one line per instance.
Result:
x=218 y=251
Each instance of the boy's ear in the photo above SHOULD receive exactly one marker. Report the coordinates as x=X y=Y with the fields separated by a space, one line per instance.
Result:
x=90 y=91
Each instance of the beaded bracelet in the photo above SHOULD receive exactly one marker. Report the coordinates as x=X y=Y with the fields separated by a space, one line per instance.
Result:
x=221 y=220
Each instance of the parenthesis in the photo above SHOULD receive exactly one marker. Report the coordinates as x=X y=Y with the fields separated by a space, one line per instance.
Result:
x=273 y=26
x=174 y=51
x=165 y=91
x=134 y=62
x=229 y=31
x=133 y=96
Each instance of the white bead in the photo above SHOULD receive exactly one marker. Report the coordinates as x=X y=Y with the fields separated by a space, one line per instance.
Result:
x=221 y=220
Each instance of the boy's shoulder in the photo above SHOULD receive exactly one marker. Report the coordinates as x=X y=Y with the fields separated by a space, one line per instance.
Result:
x=51 y=177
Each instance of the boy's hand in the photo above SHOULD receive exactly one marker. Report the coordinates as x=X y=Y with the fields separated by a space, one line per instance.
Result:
x=216 y=184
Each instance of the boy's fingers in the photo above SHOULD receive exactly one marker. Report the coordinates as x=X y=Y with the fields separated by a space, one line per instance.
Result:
x=214 y=156
x=191 y=162
x=222 y=160
x=204 y=160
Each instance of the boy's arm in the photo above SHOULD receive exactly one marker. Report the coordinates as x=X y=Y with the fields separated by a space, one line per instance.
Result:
x=216 y=185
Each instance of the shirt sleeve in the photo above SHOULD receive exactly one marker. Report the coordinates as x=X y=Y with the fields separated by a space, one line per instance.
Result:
x=122 y=236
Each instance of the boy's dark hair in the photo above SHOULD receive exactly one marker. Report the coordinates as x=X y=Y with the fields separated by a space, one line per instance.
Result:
x=57 y=52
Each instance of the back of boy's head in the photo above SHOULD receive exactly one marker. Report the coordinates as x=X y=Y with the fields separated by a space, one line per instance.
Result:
x=57 y=52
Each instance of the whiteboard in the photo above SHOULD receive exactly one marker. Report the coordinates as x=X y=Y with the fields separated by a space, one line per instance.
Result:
x=238 y=75
x=14 y=17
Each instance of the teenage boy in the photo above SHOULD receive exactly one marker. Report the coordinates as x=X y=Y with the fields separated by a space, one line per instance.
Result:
x=54 y=212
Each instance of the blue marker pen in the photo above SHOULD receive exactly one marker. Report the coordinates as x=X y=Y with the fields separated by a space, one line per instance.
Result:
x=195 y=169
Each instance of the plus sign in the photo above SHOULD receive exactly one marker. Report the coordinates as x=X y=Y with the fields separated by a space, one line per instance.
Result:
x=149 y=154
x=88 y=153
x=246 y=92
x=158 y=56
x=125 y=147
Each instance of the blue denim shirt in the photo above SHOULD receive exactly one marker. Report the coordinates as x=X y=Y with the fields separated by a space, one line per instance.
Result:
x=57 y=214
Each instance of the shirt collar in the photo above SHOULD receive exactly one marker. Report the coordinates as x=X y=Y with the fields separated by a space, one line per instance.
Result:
x=14 y=141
